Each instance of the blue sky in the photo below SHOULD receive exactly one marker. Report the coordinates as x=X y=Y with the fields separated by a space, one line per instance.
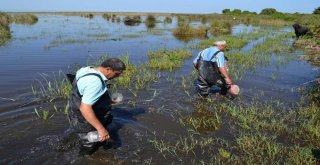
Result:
x=162 y=6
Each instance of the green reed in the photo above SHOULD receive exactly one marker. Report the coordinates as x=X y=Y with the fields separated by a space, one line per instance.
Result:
x=52 y=87
x=44 y=114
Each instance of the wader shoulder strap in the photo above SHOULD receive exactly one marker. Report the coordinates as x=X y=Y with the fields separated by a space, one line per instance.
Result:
x=88 y=74
x=214 y=54
x=200 y=58
x=95 y=74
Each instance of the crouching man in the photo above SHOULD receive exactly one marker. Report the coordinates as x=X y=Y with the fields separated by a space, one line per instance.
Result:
x=212 y=69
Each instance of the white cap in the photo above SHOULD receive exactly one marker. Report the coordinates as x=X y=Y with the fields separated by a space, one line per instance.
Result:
x=219 y=43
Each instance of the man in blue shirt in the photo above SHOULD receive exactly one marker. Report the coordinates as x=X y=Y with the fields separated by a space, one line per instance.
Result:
x=212 y=68
x=90 y=102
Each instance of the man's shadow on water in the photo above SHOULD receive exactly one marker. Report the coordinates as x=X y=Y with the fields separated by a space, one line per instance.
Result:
x=122 y=116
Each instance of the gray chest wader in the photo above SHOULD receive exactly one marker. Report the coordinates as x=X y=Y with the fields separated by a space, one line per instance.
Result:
x=209 y=75
x=102 y=110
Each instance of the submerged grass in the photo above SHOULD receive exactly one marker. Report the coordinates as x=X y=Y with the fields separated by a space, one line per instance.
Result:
x=262 y=133
x=260 y=55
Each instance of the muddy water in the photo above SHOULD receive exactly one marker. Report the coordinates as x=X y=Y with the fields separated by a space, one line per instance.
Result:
x=41 y=48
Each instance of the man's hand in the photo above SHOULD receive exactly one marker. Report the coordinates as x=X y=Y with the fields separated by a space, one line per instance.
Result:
x=225 y=74
x=103 y=134
x=228 y=81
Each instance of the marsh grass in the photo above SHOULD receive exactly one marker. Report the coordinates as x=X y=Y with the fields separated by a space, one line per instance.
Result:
x=135 y=77
x=164 y=59
x=5 y=34
x=259 y=55
x=24 y=19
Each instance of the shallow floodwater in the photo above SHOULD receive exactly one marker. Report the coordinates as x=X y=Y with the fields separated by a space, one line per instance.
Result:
x=57 y=42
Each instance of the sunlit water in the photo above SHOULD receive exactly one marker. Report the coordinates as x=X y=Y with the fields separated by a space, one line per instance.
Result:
x=39 y=49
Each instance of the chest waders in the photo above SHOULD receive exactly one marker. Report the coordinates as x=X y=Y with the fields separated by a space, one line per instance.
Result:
x=78 y=124
x=209 y=75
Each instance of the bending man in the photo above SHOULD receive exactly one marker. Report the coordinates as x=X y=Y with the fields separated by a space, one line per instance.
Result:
x=212 y=67
x=90 y=103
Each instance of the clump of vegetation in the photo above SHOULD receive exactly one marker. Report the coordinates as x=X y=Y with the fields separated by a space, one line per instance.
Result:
x=4 y=28
x=106 y=16
x=203 y=120
x=6 y=19
x=311 y=42
x=132 y=21
x=187 y=33
x=168 y=20
x=183 y=21
x=220 y=27
x=113 y=17
x=89 y=15
x=164 y=59
x=24 y=19
x=233 y=42
x=150 y=21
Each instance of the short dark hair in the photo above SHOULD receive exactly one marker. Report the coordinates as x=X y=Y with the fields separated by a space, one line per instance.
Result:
x=114 y=63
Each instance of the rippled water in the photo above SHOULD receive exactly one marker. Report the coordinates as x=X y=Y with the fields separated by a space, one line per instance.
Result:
x=39 y=48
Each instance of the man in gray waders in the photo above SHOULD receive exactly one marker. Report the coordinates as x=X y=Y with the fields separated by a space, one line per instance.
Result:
x=90 y=103
x=212 y=67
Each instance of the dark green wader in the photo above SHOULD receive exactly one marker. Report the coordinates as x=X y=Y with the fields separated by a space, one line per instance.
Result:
x=78 y=124
x=208 y=76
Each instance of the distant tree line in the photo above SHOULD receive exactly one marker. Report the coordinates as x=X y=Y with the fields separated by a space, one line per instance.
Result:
x=266 y=11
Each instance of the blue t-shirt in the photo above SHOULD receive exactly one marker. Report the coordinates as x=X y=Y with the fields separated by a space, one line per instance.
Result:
x=206 y=55
x=90 y=87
